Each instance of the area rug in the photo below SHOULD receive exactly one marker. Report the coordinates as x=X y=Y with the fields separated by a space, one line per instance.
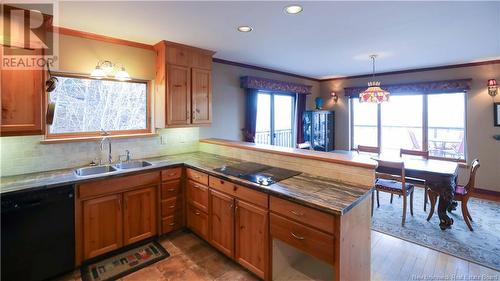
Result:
x=123 y=263
x=480 y=246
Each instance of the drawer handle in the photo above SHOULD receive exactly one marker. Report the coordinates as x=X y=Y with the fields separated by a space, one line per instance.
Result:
x=196 y=176
x=297 y=236
x=198 y=186
x=172 y=174
x=171 y=207
x=235 y=187
x=197 y=213
x=171 y=189
x=171 y=224
x=296 y=213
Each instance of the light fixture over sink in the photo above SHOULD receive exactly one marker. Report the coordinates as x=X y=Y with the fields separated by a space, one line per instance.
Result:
x=106 y=69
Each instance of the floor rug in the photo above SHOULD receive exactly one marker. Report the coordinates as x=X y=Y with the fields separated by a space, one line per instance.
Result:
x=123 y=263
x=481 y=246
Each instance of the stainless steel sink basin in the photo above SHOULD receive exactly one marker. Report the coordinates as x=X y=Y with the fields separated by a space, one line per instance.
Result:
x=132 y=164
x=88 y=171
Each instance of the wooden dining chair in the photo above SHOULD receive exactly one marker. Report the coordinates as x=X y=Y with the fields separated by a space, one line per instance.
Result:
x=393 y=183
x=415 y=181
x=462 y=194
x=368 y=149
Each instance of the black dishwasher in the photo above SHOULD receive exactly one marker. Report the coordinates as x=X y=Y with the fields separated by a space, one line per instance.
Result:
x=38 y=233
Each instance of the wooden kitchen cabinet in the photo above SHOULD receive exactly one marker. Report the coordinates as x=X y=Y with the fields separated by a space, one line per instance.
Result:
x=201 y=96
x=139 y=216
x=102 y=225
x=197 y=221
x=178 y=95
x=22 y=100
x=171 y=200
x=183 y=85
x=115 y=212
x=252 y=238
x=221 y=221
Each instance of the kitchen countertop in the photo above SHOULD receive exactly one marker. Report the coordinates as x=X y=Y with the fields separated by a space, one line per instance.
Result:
x=317 y=192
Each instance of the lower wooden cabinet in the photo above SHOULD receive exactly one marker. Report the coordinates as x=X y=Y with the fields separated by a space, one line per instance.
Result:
x=252 y=238
x=197 y=221
x=221 y=221
x=139 y=215
x=102 y=225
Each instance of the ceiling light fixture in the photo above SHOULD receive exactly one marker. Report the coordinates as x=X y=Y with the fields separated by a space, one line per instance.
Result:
x=106 y=68
x=293 y=9
x=245 y=28
x=374 y=93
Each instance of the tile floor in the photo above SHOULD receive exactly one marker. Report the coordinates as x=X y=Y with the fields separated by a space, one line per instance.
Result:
x=192 y=259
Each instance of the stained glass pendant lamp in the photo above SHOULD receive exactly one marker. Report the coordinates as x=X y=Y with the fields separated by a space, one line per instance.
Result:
x=374 y=93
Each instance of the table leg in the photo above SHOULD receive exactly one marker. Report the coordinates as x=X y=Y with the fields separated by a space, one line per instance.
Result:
x=444 y=220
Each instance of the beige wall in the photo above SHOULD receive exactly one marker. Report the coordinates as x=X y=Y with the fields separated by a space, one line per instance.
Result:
x=228 y=99
x=480 y=129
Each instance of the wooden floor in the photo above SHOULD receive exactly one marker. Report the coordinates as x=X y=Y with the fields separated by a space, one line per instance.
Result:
x=396 y=259
x=392 y=259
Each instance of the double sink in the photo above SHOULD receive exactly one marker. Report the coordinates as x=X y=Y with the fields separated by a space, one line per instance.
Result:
x=96 y=170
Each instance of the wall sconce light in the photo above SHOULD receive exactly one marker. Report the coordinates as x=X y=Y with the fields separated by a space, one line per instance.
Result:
x=106 y=68
x=492 y=87
x=334 y=96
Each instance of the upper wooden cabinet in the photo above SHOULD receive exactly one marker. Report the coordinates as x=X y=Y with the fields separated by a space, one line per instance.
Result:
x=183 y=95
x=22 y=100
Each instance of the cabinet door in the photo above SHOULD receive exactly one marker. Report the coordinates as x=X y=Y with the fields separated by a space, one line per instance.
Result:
x=252 y=244
x=102 y=225
x=201 y=96
x=197 y=221
x=22 y=96
x=139 y=216
x=179 y=95
x=221 y=222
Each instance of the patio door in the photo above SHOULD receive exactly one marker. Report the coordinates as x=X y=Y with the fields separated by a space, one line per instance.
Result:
x=275 y=119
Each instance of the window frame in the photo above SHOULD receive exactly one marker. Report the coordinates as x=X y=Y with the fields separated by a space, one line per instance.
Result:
x=121 y=133
x=425 y=126
x=294 y=115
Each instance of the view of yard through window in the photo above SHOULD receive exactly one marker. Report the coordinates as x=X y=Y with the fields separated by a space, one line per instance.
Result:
x=89 y=105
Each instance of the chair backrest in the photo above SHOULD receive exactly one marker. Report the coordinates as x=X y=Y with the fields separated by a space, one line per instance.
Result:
x=424 y=154
x=391 y=171
x=472 y=178
x=414 y=140
x=369 y=149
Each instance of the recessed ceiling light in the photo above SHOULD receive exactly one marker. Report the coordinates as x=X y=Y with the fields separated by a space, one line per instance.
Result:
x=245 y=28
x=293 y=9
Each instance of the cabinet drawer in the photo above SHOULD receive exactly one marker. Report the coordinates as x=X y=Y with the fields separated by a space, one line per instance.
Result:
x=116 y=185
x=197 y=221
x=302 y=214
x=197 y=195
x=171 y=174
x=197 y=176
x=240 y=192
x=172 y=222
x=171 y=189
x=171 y=206
x=309 y=240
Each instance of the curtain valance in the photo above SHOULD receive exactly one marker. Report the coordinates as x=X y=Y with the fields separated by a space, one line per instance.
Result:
x=431 y=87
x=263 y=84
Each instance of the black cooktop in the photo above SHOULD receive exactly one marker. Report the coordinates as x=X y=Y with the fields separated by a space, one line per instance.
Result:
x=257 y=173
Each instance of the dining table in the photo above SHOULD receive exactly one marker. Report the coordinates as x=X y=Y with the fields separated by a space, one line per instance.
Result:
x=440 y=177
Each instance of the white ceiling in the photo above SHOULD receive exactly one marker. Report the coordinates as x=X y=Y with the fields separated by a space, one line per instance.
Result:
x=328 y=39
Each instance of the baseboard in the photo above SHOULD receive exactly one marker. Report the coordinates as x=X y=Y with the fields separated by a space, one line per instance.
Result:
x=487 y=194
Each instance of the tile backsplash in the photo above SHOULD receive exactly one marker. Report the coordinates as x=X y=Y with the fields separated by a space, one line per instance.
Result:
x=21 y=155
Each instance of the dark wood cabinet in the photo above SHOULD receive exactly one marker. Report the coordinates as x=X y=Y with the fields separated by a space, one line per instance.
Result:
x=252 y=239
x=139 y=216
x=318 y=126
x=22 y=100
x=221 y=222
x=102 y=225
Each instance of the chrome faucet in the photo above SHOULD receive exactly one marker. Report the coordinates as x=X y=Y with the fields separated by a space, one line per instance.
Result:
x=103 y=140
